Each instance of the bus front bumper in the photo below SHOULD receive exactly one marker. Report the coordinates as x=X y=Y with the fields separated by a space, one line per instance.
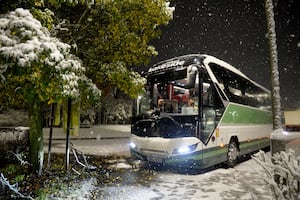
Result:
x=188 y=160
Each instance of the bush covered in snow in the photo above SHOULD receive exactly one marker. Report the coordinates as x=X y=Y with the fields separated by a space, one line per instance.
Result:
x=120 y=113
x=283 y=173
x=118 y=109
x=87 y=117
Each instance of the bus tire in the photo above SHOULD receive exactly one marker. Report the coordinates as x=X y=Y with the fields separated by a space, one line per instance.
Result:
x=232 y=154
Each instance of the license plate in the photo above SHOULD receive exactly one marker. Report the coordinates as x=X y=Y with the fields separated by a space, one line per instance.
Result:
x=155 y=159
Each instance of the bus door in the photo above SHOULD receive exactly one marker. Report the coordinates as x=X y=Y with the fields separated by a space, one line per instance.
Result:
x=209 y=116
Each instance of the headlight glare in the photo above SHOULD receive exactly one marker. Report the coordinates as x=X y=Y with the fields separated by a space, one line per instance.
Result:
x=132 y=145
x=185 y=149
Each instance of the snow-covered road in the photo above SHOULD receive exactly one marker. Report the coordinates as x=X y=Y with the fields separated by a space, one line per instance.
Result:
x=244 y=182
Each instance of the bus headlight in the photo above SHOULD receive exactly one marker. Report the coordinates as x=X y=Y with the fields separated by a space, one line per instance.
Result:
x=132 y=145
x=185 y=149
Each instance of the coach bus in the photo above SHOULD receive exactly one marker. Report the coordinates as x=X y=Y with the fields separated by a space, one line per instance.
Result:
x=200 y=111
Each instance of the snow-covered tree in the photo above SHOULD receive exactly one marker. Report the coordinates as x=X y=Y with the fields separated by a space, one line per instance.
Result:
x=276 y=104
x=111 y=37
x=42 y=68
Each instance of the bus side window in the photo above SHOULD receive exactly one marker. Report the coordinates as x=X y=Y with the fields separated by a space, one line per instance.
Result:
x=257 y=97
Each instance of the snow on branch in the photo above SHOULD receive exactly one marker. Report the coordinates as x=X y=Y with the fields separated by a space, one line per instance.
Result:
x=13 y=187
x=169 y=10
x=283 y=173
x=77 y=154
x=20 y=159
x=25 y=43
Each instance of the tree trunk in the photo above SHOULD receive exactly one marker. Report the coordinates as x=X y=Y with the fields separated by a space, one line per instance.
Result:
x=36 y=136
x=50 y=134
x=276 y=105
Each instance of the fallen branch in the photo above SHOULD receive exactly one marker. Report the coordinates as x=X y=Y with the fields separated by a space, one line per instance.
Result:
x=77 y=152
x=14 y=188
x=19 y=157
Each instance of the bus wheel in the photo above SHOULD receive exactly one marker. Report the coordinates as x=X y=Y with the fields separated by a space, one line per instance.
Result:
x=233 y=154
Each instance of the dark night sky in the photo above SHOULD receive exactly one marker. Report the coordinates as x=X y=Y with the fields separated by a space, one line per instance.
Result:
x=235 y=31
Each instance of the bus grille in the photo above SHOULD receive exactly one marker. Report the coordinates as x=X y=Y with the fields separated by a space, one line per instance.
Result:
x=158 y=153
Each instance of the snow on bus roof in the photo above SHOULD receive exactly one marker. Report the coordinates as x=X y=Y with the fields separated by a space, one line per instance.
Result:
x=206 y=59
x=224 y=64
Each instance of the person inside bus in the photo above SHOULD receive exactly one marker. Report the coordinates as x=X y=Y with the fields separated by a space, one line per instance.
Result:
x=190 y=102
x=189 y=106
x=166 y=105
x=161 y=104
x=158 y=97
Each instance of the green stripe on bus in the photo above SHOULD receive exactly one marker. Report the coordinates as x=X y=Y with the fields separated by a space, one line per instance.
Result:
x=239 y=114
x=253 y=143
x=216 y=151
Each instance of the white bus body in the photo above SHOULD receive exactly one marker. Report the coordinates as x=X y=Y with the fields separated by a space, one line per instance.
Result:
x=200 y=111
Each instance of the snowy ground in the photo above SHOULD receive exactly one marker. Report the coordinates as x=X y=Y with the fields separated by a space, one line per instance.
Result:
x=244 y=182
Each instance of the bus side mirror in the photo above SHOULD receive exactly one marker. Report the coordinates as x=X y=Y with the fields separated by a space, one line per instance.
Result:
x=191 y=76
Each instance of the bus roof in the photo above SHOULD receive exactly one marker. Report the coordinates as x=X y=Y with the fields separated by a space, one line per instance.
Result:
x=186 y=60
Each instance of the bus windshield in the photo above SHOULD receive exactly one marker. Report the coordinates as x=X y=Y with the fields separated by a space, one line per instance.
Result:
x=169 y=94
x=179 y=106
x=171 y=97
